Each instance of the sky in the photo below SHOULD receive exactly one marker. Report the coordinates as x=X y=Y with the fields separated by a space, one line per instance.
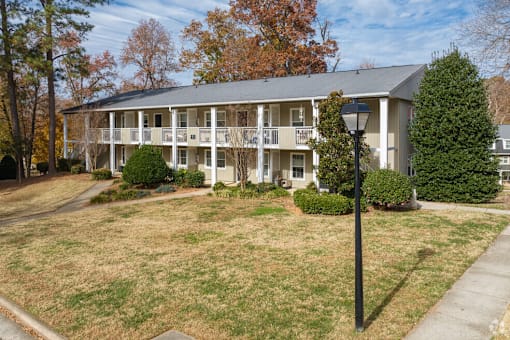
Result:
x=384 y=32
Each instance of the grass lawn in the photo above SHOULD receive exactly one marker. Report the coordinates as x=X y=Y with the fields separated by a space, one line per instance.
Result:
x=46 y=194
x=218 y=269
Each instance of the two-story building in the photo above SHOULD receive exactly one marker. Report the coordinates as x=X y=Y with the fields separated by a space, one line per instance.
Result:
x=501 y=149
x=194 y=125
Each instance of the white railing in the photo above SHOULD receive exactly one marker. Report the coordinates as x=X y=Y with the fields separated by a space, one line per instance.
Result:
x=204 y=135
x=182 y=135
x=166 y=136
x=134 y=136
x=147 y=136
x=303 y=135
x=271 y=136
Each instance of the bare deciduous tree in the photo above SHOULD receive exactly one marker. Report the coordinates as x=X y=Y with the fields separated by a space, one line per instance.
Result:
x=150 y=48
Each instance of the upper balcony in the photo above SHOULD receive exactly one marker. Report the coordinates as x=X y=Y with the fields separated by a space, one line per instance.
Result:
x=274 y=137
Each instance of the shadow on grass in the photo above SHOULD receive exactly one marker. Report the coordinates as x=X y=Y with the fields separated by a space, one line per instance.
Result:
x=423 y=254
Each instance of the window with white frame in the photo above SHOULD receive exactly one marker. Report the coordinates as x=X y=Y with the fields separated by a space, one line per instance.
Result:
x=297 y=116
x=266 y=164
x=145 y=120
x=504 y=160
x=182 y=119
x=506 y=143
x=221 y=119
x=182 y=158
x=220 y=159
x=297 y=165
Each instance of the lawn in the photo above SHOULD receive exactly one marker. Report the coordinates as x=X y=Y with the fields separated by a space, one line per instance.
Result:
x=46 y=194
x=218 y=269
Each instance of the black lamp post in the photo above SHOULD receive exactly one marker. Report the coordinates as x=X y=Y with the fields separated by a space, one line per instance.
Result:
x=355 y=116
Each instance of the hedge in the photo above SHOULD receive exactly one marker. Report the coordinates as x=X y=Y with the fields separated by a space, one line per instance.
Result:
x=101 y=174
x=311 y=202
x=387 y=188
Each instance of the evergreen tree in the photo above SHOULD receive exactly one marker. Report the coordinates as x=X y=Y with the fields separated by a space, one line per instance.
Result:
x=335 y=146
x=451 y=134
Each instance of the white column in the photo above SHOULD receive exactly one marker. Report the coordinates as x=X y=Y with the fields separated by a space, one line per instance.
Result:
x=65 y=137
x=383 y=133
x=112 y=142
x=87 y=153
x=174 y=138
x=315 y=156
x=260 y=143
x=140 y=128
x=213 y=147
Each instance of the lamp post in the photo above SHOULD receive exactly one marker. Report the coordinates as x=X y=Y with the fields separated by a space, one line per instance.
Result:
x=355 y=116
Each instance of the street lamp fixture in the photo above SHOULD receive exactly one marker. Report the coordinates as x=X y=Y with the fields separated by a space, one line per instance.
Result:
x=355 y=116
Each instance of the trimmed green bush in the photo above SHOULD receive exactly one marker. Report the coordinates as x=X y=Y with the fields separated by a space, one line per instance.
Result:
x=194 y=178
x=387 y=188
x=311 y=202
x=219 y=186
x=146 y=166
x=8 y=168
x=42 y=167
x=77 y=169
x=179 y=176
x=276 y=193
x=165 y=188
x=65 y=164
x=101 y=174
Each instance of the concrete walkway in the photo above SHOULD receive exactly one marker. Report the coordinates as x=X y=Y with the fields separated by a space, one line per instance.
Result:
x=474 y=306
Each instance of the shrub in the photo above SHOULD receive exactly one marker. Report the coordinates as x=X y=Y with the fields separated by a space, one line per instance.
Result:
x=248 y=193
x=124 y=186
x=178 y=177
x=42 y=167
x=165 y=188
x=224 y=193
x=77 y=169
x=219 y=186
x=101 y=174
x=65 y=164
x=276 y=193
x=387 y=188
x=311 y=202
x=265 y=187
x=311 y=186
x=8 y=168
x=146 y=166
x=194 y=179
x=101 y=198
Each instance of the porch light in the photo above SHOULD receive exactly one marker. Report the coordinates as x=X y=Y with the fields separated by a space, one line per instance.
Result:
x=355 y=116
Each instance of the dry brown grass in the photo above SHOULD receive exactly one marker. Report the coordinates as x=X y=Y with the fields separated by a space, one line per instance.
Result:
x=503 y=331
x=218 y=269
x=44 y=195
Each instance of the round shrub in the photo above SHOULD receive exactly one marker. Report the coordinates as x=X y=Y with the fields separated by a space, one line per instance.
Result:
x=219 y=186
x=7 y=168
x=146 y=166
x=178 y=176
x=42 y=167
x=311 y=202
x=194 y=179
x=101 y=174
x=77 y=169
x=387 y=188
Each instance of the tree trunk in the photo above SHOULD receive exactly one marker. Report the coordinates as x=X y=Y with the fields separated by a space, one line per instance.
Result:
x=52 y=169
x=11 y=86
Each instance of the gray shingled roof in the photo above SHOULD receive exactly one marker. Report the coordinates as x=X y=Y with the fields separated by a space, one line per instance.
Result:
x=377 y=82
x=504 y=131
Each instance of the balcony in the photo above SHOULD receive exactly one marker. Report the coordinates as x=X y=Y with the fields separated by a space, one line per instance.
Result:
x=274 y=137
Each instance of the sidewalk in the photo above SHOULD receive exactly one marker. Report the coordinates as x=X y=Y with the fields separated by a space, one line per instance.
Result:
x=475 y=304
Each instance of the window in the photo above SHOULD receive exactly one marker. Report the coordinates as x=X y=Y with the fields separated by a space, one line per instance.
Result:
x=182 y=119
x=297 y=164
x=297 y=117
x=221 y=119
x=266 y=164
x=504 y=160
x=220 y=159
x=145 y=121
x=506 y=144
x=158 y=120
x=267 y=121
x=182 y=155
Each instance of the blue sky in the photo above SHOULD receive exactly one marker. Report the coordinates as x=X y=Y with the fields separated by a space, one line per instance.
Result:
x=387 y=32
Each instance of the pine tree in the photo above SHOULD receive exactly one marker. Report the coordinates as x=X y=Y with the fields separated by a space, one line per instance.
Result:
x=451 y=134
x=335 y=146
